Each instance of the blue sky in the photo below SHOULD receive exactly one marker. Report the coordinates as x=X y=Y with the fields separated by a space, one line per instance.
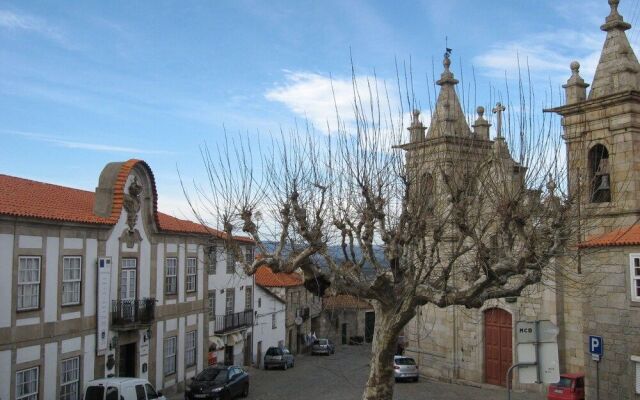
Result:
x=86 y=83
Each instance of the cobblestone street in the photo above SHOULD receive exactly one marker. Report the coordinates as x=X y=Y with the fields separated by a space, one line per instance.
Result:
x=342 y=377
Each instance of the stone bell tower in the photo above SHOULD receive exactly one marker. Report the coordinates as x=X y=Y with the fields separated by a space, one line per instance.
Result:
x=602 y=133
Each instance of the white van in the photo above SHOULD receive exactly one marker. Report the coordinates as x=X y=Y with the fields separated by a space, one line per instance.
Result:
x=121 y=389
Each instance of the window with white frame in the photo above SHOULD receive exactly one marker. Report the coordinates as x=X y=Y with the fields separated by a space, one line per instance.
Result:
x=231 y=262
x=212 y=259
x=171 y=276
x=634 y=275
x=190 y=349
x=230 y=301
x=28 y=283
x=70 y=379
x=212 y=304
x=248 y=254
x=170 y=347
x=27 y=384
x=71 y=280
x=248 y=298
x=192 y=269
x=273 y=321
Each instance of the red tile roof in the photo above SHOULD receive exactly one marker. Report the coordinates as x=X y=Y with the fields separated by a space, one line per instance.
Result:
x=621 y=237
x=31 y=199
x=267 y=278
x=342 y=301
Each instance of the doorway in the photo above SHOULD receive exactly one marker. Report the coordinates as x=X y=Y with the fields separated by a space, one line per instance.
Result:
x=127 y=362
x=344 y=333
x=497 y=345
x=228 y=355
x=259 y=355
x=369 y=326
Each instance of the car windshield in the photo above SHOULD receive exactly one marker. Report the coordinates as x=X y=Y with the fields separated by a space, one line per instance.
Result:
x=274 y=351
x=322 y=341
x=405 y=361
x=216 y=375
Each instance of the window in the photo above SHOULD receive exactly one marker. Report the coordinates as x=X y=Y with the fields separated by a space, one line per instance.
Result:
x=231 y=263
x=192 y=268
x=171 y=276
x=128 y=279
x=599 y=174
x=28 y=283
x=635 y=276
x=230 y=301
x=140 y=394
x=71 y=278
x=190 y=349
x=259 y=302
x=248 y=254
x=212 y=304
x=27 y=384
x=248 y=298
x=211 y=260
x=273 y=321
x=112 y=393
x=170 y=346
x=151 y=393
x=70 y=379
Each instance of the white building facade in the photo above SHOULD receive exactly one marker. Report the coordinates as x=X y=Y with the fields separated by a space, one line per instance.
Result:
x=102 y=284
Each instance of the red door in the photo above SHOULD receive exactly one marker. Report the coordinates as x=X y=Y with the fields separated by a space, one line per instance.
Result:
x=497 y=345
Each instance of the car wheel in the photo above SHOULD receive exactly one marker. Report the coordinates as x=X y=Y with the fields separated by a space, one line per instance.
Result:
x=415 y=379
x=245 y=391
x=285 y=366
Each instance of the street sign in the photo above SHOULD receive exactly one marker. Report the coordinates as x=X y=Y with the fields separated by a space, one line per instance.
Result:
x=596 y=347
x=525 y=332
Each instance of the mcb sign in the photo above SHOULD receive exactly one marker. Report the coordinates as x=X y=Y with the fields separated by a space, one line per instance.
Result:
x=596 y=346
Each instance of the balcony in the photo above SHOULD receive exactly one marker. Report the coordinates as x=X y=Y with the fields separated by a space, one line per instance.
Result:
x=230 y=322
x=132 y=314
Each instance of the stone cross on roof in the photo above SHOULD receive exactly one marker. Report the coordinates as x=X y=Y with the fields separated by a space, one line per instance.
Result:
x=498 y=110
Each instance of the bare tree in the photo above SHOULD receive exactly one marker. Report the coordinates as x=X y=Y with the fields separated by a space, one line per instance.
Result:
x=448 y=218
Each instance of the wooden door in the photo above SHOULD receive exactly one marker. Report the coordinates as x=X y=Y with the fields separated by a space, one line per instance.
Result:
x=497 y=345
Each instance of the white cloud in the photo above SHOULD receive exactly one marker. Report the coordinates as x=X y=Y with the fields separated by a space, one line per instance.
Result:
x=545 y=54
x=318 y=97
x=23 y=22
x=82 y=145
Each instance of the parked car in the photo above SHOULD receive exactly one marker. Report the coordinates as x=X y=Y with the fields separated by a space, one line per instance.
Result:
x=121 y=389
x=570 y=387
x=279 y=357
x=323 y=346
x=218 y=382
x=405 y=368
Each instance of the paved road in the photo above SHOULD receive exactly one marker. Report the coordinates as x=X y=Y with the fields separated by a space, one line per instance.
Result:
x=342 y=376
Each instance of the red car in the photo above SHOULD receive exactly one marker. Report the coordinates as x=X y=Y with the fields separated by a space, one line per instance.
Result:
x=570 y=387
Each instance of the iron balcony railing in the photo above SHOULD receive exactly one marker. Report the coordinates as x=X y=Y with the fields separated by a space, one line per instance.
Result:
x=132 y=312
x=225 y=323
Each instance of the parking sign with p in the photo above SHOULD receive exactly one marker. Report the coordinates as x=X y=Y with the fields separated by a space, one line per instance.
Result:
x=596 y=347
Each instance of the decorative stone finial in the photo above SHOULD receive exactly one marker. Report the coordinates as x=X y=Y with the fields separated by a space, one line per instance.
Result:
x=614 y=20
x=416 y=117
x=575 y=88
x=416 y=129
x=481 y=126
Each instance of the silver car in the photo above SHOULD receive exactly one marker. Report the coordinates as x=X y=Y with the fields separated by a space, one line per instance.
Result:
x=323 y=346
x=405 y=368
x=278 y=357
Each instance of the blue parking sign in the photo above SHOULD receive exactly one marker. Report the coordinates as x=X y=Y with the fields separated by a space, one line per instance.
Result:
x=596 y=345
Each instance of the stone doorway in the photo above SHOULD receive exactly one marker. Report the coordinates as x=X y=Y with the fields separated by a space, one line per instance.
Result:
x=497 y=345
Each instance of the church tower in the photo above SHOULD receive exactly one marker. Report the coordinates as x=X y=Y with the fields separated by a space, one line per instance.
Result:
x=602 y=134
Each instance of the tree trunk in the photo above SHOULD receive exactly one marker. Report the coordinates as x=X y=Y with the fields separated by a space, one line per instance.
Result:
x=389 y=324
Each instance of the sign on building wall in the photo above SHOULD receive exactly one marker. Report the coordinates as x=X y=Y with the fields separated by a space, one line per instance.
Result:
x=104 y=291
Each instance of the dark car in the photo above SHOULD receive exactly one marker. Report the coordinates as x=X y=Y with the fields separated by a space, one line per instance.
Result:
x=218 y=382
x=323 y=346
x=278 y=357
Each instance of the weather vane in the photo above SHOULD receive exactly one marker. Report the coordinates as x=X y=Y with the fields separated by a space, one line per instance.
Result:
x=448 y=50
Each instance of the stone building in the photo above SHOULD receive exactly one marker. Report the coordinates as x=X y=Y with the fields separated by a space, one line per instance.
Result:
x=303 y=316
x=99 y=284
x=599 y=292
x=344 y=317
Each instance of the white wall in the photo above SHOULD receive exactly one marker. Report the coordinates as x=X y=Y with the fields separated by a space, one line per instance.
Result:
x=262 y=329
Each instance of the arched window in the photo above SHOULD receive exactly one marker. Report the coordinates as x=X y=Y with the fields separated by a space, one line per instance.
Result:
x=599 y=175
